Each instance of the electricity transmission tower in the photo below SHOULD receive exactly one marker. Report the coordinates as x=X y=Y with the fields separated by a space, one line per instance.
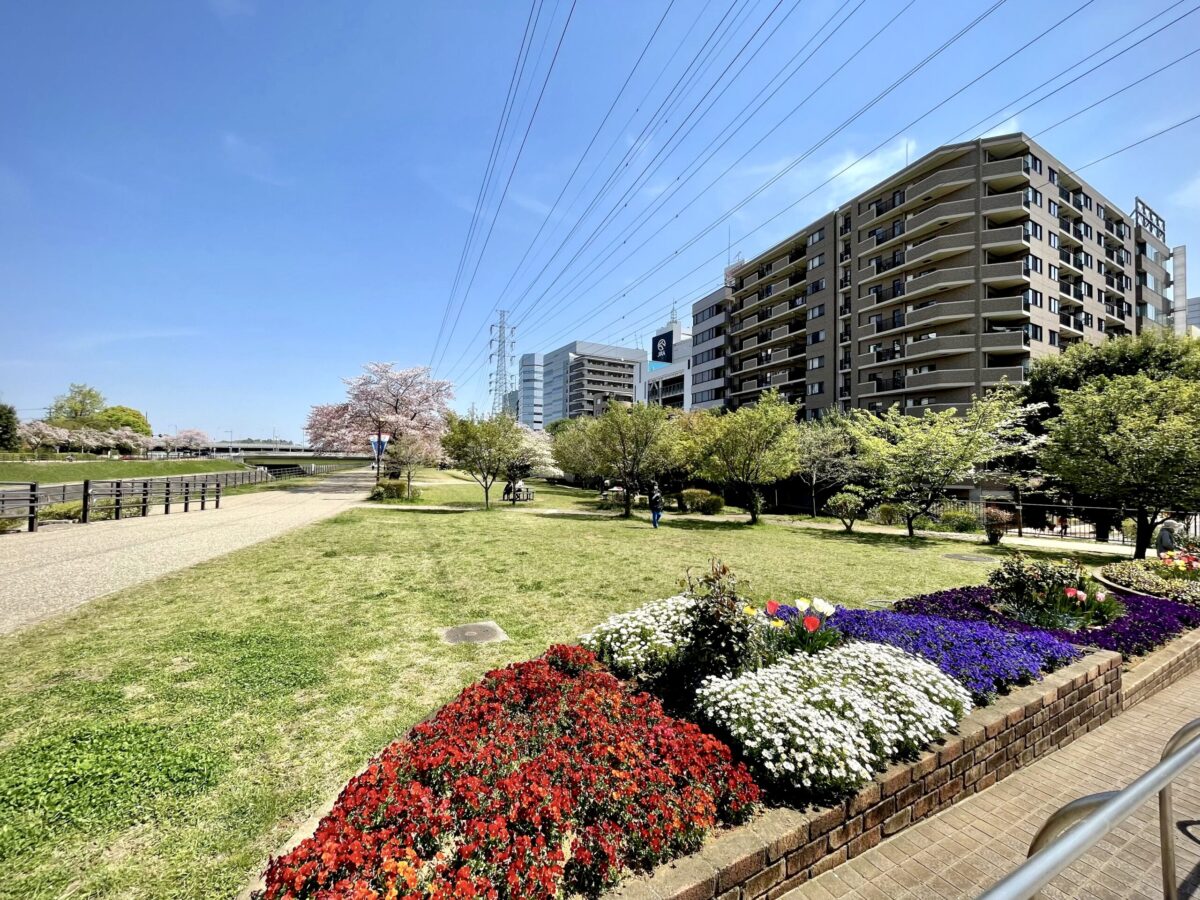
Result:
x=503 y=354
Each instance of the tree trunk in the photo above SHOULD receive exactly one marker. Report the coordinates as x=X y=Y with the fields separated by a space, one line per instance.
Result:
x=755 y=505
x=1145 y=531
x=487 y=503
x=814 y=501
x=628 y=502
x=408 y=486
x=908 y=520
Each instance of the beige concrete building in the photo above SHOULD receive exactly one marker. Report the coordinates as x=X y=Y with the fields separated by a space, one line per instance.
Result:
x=947 y=278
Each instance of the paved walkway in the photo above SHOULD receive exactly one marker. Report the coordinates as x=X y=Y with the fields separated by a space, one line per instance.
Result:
x=62 y=567
x=970 y=846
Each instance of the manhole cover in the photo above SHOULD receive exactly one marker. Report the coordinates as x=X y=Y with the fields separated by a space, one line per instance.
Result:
x=474 y=633
x=968 y=557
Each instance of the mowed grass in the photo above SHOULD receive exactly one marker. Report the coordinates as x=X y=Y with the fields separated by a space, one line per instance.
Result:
x=163 y=741
x=57 y=472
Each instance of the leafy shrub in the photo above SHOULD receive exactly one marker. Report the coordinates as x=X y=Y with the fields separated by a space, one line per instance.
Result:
x=10 y=525
x=691 y=498
x=62 y=512
x=1149 y=576
x=712 y=505
x=1146 y=623
x=962 y=521
x=393 y=489
x=923 y=523
x=546 y=778
x=886 y=514
x=847 y=505
x=996 y=522
x=826 y=723
x=984 y=658
x=1050 y=595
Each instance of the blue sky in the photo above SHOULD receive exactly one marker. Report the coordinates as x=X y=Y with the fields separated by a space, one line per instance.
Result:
x=213 y=210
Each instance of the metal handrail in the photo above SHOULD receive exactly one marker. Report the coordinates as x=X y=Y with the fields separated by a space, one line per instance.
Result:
x=1077 y=826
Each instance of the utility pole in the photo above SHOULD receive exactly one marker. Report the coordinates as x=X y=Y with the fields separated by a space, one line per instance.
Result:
x=502 y=355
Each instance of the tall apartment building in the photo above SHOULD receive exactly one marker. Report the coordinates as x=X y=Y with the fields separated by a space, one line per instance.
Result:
x=576 y=380
x=943 y=280
x=710 y=316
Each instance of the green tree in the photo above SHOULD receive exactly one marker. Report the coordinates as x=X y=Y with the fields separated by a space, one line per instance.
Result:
x=78 y=406
x=113 y=417
x=10 y=438
x=824 y=455
x=483 y=448
x=753 y=446
x=574 y=448
x=408 y=452
x=1157 y=354
x=1132 y=442
x=632 y=443
x=914 y=460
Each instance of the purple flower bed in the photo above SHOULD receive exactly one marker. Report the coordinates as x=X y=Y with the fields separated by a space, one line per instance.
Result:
x=986 y=659
x=1148 y=623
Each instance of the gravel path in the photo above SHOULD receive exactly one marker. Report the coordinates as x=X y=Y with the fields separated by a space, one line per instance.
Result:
x=62 y=567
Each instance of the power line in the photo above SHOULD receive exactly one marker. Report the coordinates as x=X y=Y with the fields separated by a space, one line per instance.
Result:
x=502 y=125
x=511 y=171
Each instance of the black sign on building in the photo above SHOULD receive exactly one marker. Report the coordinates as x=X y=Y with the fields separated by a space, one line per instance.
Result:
x=663 y=349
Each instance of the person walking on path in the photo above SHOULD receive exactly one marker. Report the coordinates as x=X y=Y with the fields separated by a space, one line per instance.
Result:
x=656 y=503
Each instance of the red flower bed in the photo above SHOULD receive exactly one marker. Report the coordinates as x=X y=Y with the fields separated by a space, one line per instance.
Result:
x=546 y=777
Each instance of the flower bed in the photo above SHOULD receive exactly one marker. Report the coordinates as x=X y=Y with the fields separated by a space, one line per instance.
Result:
x=546 y=777
x=984 y=658
x=1176 y=577
x=1147 y=622
x=827 y=722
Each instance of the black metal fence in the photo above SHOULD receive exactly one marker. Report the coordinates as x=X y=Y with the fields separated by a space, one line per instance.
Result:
x=101 y=500
x=1085 y=523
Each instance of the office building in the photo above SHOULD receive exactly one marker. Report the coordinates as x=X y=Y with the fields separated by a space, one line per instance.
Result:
x=578 y=379
x=709 y=319
x=669 y=377
x=940 y=282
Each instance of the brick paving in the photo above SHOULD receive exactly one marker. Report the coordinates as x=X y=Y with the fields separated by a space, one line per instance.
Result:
x=967 y=848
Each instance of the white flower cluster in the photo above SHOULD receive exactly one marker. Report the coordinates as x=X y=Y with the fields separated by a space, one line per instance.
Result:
x=641 y=643
x=816 y=604
x=829 y=721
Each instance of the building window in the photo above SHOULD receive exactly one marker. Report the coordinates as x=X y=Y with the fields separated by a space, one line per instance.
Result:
x=815 y=388
x=1052 y=208
x=1034 y=297
x=1035 y=332
x=1033 y=162
x=816 y=237
x=817 y=260
x=1054 y=273
x=1033 y=196
x=1053 y=338
x=1054 y=240
x=816 y=362
x=708 y=334
x=1053 y=304
x=1036 y=229
x=815 y=337
x=1088 y=320
x=817 y=311
x=706 y=313
x=815 y=286
x=1033 y=263
x=1052 y=174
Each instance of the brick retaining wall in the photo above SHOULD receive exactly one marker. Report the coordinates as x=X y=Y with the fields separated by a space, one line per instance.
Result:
x=1161 y=668
x=783 y=848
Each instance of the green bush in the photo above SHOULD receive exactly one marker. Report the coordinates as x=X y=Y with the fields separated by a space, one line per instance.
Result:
x=9 y=525
x=1050 y=595
x=960 y=520
x=690 y=499
x=711 y=505
x=61 y=512
x=923 y=523
x=847 y=505
x=392 y=489
x=886 y=514
x=1150 y=576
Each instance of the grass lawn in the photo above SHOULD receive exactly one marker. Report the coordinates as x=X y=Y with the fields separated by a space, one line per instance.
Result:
x=162 y=741
x=56 y=472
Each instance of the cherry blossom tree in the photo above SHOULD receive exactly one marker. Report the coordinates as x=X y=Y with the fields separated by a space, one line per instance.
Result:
x=382 y=401
x=191 y=439
x=39 y=434
x=409 y=452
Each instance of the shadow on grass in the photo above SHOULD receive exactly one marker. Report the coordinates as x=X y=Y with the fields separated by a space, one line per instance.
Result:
x=704 y=524
x=585 y=516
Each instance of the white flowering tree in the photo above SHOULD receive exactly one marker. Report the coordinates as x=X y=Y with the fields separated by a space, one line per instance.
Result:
x=409 y=452
x=382 y=401
x=41 y=435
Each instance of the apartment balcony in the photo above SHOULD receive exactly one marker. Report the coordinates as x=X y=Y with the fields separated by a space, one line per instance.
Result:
x=882 y=385
x=1006 y=173
x=941 y=379
x=1114 y=285
x=1070 y=291
x=1004 y=339
x=939 y=346
x=1069 y=235
x=1069 y=260
x=1115 y=257
x=882 y=295
x=1010 y=205
x=920 y=410
x=1012 y=239
x=939 y=247
x=1005 y=273
x=889 y=323
x=1115 y=314
x=942 y=311
x=1070 y=323
x=938 y=216
x=996 y=374
x=939 y=280
x=1015 y=307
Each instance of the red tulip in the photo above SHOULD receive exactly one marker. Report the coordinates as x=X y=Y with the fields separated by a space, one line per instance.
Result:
x=772 y=607
x=812 y=623
x=1071 y=592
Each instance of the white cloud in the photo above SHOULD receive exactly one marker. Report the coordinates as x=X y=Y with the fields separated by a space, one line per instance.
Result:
x=868 y=172
x=252 y=160
x=1008 y=126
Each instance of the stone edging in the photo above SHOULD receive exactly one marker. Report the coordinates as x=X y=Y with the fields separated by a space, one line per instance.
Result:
x=1121 y=589
x=784 y=848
